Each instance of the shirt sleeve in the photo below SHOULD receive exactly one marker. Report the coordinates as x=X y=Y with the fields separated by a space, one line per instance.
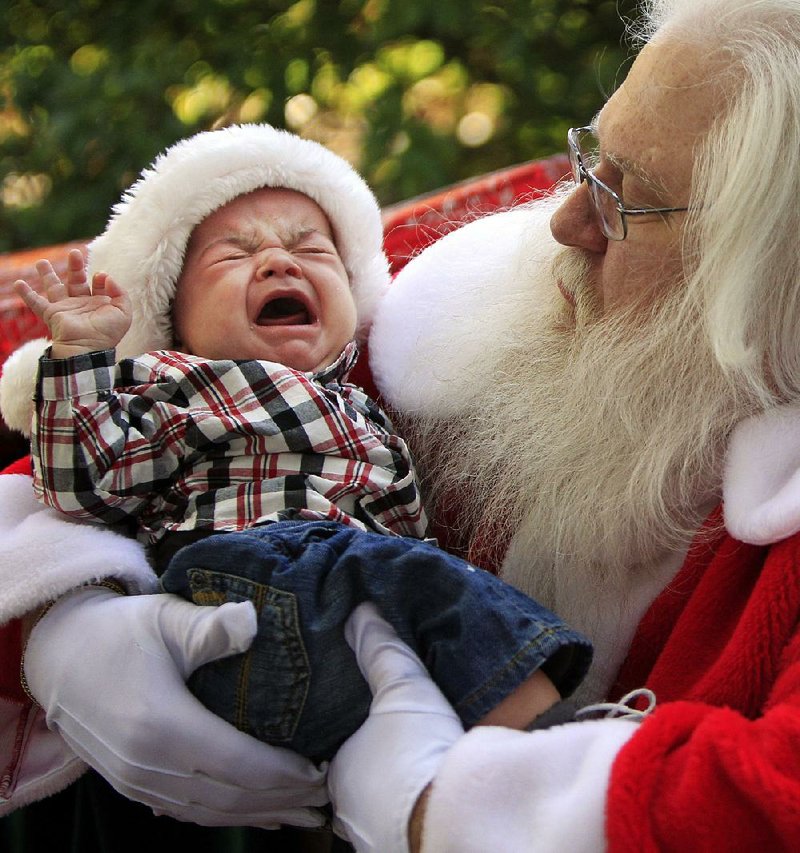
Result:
x=99 y=449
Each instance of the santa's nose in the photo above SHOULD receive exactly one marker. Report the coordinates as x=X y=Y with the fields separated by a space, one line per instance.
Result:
x=574 y=223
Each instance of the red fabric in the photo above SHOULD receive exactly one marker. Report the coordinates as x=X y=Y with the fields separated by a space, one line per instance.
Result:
x=11 y=633
x=717 y=766
x=11 y=644
x=21 y=466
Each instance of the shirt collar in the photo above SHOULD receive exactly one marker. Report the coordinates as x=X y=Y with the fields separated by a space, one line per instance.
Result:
x=337 y=372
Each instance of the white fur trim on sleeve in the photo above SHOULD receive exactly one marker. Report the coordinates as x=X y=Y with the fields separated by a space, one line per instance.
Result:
x=44 y=554
x=522 y=792
x=761 y=487
x=438 y=325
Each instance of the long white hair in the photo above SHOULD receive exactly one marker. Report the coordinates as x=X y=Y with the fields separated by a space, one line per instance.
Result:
x=742 y=243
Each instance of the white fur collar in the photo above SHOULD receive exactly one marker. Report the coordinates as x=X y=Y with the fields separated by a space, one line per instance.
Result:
x=761 y=488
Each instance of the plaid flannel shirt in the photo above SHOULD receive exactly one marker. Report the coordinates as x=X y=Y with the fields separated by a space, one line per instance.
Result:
x=180 y=443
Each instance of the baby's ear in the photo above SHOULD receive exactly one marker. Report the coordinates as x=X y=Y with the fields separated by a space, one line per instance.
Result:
x=442 y=321
x=18 y=385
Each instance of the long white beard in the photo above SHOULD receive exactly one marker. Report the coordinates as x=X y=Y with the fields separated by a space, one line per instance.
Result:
x=597 y=444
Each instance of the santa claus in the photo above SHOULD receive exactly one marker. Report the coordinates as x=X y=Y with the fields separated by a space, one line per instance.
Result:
x=607 y=383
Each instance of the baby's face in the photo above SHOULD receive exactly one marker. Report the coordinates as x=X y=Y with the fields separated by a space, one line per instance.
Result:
x=262 y=279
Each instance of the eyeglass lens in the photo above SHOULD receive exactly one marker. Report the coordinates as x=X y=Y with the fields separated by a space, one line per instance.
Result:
x=608 y=213
x=606 y=208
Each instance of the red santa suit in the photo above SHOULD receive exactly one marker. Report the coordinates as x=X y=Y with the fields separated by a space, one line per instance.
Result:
x=715 y=766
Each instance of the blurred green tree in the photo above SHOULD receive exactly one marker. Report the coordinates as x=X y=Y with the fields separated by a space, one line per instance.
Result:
x=416 y=93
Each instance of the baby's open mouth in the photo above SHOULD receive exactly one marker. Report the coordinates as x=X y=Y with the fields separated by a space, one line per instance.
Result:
x=284 y=311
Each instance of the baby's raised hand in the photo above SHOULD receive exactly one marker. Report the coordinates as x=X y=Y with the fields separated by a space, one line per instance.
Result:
x=81 y=318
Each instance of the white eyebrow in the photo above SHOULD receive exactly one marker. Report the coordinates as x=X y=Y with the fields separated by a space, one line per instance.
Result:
x=631 y=167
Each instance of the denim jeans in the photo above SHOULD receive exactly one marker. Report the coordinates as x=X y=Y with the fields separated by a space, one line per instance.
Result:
x=299 y=685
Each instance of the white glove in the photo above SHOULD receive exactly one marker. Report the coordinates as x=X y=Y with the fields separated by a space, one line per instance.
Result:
x=109 y=672
x=378 y=774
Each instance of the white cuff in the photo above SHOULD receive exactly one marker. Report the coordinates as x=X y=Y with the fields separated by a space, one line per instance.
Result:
x=44 y=554
x=500 y=789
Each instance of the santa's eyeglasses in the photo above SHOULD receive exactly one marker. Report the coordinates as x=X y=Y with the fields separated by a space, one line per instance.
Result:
x=612 y=215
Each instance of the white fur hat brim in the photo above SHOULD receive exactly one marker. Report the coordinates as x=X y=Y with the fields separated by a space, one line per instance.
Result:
x=144 y=244
x=18 y=383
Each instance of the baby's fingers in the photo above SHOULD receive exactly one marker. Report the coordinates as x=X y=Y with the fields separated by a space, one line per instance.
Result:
x=77 y=282
x=37 y=303
x=51 y=284
x=102 y=283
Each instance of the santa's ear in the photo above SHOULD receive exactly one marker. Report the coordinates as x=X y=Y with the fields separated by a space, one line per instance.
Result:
x=18 y=385
x=439 y=325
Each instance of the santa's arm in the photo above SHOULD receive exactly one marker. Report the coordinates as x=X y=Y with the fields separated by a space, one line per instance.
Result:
x=690 y=776
x=129 y=714
x=699 y=776
x=490 y=789
x=43 y=556
x=693 y=777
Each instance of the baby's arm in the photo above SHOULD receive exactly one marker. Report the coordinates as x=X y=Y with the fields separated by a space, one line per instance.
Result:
x=81 y=318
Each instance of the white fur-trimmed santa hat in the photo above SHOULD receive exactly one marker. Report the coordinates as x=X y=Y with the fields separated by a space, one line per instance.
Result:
x=145 y=240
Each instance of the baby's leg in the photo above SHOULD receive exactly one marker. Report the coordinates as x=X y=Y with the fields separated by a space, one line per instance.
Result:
x=520 y=708
x=498 y=657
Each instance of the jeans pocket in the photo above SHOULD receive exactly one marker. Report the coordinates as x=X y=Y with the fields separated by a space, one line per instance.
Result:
x=263 y=690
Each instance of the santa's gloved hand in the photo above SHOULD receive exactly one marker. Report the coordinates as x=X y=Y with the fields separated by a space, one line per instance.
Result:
x=379 y=773
x=109 y=671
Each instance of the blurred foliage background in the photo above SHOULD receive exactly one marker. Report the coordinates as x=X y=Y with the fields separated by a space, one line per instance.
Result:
x=417 y=94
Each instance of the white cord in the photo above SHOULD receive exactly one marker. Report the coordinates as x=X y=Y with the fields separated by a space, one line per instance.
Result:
x=621 y=709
